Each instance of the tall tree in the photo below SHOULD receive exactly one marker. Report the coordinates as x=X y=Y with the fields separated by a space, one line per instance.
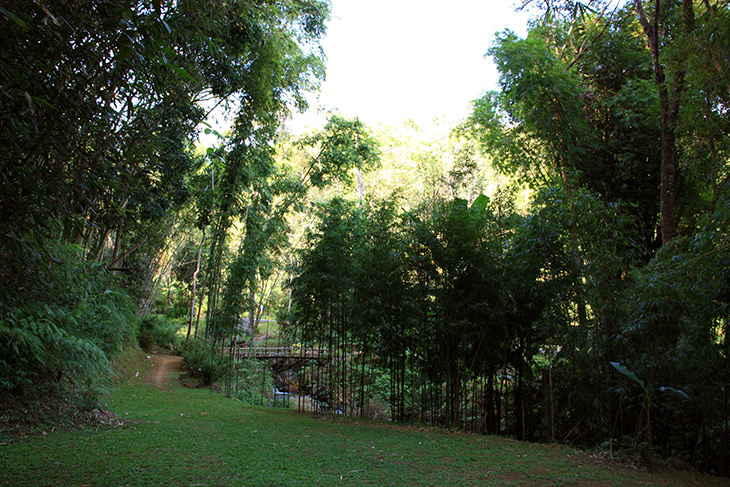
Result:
x=102 y=101
x=340 y=147
x=100 y=106
x=662 y=29
x=577 y=116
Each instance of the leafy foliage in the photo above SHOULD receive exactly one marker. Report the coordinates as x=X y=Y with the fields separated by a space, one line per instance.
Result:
x=477 y=317
x=582 y=317
x=575 y=116
x=62 y=342
x=157 y=330
x=202 y=361
x=255 y=384
x=101 y=103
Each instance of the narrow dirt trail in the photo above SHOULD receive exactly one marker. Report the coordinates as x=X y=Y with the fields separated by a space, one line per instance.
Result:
x=163 y=366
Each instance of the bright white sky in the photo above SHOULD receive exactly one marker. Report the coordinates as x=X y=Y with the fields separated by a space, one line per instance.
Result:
x=393 y=60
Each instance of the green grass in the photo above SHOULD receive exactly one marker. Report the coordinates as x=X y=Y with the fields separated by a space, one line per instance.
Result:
x=189 y=437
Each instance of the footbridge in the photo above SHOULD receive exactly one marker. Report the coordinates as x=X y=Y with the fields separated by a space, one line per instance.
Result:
x=264 y=353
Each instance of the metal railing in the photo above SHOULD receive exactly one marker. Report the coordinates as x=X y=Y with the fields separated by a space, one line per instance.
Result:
x=281 y=352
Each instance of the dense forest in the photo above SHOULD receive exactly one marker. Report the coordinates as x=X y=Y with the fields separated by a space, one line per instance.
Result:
x=555 y=268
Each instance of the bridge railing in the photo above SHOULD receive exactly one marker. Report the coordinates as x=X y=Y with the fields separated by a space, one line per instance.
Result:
x=281 y=352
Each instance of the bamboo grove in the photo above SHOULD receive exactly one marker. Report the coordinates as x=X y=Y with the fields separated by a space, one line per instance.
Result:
x=104 y=194
x=597 y=315
x=469 y=316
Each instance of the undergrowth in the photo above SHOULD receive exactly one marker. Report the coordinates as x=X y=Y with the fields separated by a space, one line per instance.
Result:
x=202 y=362
x=160 y=331
x=59 y=337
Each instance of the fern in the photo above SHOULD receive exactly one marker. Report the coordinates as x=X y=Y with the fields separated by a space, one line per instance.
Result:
x=62 y=340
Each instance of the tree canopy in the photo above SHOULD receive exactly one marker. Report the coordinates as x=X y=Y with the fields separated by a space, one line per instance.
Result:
x=101 y=104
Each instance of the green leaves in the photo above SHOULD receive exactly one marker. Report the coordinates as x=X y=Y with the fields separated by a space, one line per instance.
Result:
x=62 y=342
x=13 y=17
x=629 y=374
x=101 y=103
x=343 y=145
x=182 y=73
x=480 y=203
x=578 y=107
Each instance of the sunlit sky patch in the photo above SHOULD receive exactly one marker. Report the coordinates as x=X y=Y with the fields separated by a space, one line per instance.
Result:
x=393 y=60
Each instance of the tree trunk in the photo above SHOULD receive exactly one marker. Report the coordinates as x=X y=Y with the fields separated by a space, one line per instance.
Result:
x=667 y=197
x=253 y=314
x=291 y=280
x=195 y=287
x=359 y=187
x=669 y=105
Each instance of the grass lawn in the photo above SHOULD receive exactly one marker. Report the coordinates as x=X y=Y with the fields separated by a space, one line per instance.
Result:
x=193 y=437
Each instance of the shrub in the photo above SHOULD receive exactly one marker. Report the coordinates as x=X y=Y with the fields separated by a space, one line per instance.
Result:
x=37 y=352
x=158 y=330
x=254 y=382
x=57 y=340
x=203 y=362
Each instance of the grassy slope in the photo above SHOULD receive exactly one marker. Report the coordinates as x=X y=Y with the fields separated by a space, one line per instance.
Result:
x=195 y=437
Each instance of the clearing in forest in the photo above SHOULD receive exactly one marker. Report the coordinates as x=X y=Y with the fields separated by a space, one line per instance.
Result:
x=173 y=435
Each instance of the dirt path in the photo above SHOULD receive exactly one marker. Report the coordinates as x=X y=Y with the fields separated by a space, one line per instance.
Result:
x=163 y=366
